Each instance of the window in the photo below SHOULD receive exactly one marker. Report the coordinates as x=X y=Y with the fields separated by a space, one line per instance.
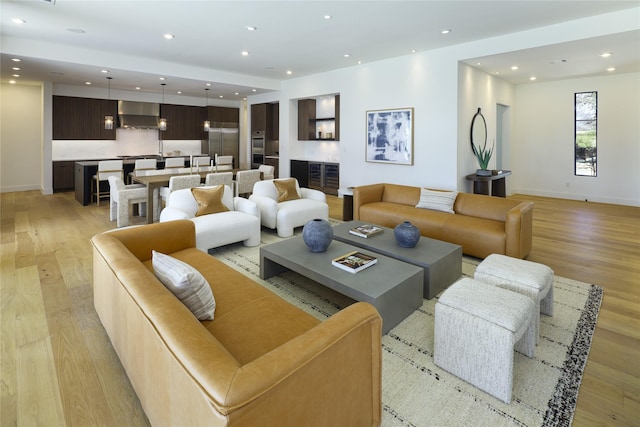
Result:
x=586 y=133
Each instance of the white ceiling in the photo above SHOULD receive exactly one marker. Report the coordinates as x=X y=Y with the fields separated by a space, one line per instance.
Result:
x=126 y=39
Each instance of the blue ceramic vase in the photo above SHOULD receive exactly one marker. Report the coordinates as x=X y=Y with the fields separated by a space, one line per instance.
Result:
x=406 y=234
x=317 y=235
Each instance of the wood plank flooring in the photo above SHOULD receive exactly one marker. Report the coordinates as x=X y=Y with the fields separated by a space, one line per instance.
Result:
x=57 y=366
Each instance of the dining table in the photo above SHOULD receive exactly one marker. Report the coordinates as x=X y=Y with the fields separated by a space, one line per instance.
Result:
x=154 y=182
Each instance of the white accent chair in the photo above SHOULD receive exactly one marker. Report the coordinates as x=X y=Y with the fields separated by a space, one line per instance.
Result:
x=224 y=163
x=285 y=216
x=220 y=178
x=268 y=171
x=245 y=180
x=178 y=182
x=240 y=224
x=123 y=197
x=106 y=168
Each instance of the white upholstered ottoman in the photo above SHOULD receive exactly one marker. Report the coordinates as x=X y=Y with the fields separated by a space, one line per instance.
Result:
x=525 y=277
x=477 y=328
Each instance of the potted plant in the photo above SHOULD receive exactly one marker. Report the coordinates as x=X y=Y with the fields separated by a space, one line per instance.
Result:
x=479 y=135
x=483 y=155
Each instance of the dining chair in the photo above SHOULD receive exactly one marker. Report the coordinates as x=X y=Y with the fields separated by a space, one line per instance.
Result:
x=224 y=163
x=220 y=178
x=201 y=161
x=172 y=164
x=142 y=166
x=245 y=180
x=122 y=199
x=268 y=171
x=106 y=168
x=178 y=183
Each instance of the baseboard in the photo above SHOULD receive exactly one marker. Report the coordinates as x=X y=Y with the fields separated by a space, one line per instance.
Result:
x=570 y=196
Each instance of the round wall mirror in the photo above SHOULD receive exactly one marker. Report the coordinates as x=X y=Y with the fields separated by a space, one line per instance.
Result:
x=478 y=131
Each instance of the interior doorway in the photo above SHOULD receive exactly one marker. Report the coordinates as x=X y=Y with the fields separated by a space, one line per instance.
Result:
x=503 y=120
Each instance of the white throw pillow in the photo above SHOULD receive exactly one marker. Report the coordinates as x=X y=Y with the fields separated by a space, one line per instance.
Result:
x=437 y=200
x=186 y=283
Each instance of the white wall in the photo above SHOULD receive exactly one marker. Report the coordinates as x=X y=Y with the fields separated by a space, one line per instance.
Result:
x=21 y=125
x=543 y=145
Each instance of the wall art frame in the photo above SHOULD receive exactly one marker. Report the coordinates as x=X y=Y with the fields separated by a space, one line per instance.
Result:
x=390 y=136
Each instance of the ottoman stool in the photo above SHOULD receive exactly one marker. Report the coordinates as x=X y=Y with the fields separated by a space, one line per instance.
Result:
x=477 y=328
x=524 y=277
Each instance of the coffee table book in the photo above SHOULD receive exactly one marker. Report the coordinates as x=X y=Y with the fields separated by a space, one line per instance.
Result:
x=366 y=230
x=354 y=261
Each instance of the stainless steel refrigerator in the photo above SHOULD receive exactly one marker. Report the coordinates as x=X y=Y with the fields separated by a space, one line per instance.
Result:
x=224 y=141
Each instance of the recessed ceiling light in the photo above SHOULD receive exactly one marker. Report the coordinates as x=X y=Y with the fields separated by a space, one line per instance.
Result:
x=179 y=92
x=163 y=78
x=15 y=68
x=237 y=93
x=104 y=71
x=245 y=53
x=478 y=63
x=19 y=21
x=254 y=90
x=208 y=84
x=606 y=54
x=289 y=72
x=137 y=87
x=347 y=55
x=87 y=83
x=221 y=96
x=515 y=67
x=12 y=82
x=15 y=75
x=16 y=59
x=359 y=62
x=169 y=36
x=445 y=31
x=532 y=78
x=611 y=69
x=413 y=51
x=76 y=30
x=252 y=28
x=327 y=16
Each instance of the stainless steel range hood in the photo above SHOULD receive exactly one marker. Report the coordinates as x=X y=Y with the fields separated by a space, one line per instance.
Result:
x=138 y=115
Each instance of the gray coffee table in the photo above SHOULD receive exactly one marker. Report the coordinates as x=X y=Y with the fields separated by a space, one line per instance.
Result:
x=442 y=261
x=393 y=287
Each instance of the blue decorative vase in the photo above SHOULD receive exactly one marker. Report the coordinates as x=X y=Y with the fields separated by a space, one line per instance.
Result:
x=406 y=234
x=317 y=235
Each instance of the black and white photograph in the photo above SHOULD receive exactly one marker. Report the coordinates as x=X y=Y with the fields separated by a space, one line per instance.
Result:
x=390 y=136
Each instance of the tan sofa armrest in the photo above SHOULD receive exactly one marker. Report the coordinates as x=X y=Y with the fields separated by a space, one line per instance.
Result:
x=518 y=228
x=340 y=360
x=166 y=237
x=366 y=194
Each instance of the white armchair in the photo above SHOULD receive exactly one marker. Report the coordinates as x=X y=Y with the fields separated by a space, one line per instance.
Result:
x=241 y=223
x=286 y=215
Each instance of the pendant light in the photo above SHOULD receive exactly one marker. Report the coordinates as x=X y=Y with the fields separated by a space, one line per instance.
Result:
x=207 y=123
x=162 y=123
x=108 y=119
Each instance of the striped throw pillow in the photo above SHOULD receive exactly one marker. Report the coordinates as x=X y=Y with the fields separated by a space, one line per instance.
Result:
x=437 y=200
x=186 y=283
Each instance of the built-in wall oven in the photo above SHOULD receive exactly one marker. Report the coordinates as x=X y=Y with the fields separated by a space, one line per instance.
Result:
x=257 y=148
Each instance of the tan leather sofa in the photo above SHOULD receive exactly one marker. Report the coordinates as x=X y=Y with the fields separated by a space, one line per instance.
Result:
x=482 y=225
x=260 y=362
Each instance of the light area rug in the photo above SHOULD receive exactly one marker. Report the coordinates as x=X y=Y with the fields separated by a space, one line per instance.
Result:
x=415 y=392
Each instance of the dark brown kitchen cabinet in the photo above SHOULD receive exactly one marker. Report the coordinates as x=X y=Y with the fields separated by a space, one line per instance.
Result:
x=63 y=175
x=183 y=122
x=223 y=114
x=82 y=118
x=258 y=117
x=306 y=119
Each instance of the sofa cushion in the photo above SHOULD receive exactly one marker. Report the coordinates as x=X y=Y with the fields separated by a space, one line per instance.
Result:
x=186 y=283
x=209 y=200
x=286 y=189
x=437 y=200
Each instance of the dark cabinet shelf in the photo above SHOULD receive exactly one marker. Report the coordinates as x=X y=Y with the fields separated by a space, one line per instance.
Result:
x=82 y=118
x=307 y=120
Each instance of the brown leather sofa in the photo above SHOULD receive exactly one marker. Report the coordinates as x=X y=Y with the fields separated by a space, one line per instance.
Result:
x=482 y=225
x=260 y=362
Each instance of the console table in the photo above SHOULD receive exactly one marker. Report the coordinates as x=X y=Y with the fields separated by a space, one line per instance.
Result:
x=496 y=180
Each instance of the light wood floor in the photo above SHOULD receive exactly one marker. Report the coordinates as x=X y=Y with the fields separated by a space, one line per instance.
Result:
x=58 y=367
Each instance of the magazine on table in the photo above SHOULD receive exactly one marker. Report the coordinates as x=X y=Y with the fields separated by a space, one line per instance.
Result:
x=366 y=230
x=354 y=261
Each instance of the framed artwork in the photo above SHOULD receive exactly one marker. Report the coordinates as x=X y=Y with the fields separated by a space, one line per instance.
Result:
x=390 y=136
